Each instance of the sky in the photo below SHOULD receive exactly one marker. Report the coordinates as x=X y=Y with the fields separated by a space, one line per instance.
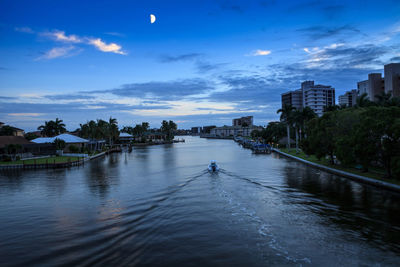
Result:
x=200 y=63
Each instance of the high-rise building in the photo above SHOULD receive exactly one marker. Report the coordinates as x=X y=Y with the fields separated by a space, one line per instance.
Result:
x=317 y=96
x=349 y=98
x=362 y=87
x=392 y=79
x=372 y=87
x=294 y=98
x=243 y=121
x=375 y=85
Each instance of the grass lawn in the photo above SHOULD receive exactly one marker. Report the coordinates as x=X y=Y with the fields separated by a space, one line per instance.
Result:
x=51 y=160
x=373 y=173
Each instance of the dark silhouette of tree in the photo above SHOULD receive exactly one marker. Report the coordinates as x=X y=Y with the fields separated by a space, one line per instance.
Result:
x=286 y=117
x=7 y=131
x=52 y=128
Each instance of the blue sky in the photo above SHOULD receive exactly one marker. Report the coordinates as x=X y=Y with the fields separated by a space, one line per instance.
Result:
x=200 y=63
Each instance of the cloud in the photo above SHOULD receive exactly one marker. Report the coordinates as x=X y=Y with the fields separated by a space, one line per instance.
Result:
x=203 y=66
x=69 y=97
x=62 y=37
x=250 y=90
x=170 y=90
x=7 y=98
x=347 y=56
x=183 y=57
x=102 y=46
x=260 y=52
x=395 y=59
x=57 y=52
x=320 y=32
x=25 y=114
x=115 y=34
x=24 y=30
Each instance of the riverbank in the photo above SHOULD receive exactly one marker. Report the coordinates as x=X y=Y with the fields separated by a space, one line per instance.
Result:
x=53 y=161
x=344 y=172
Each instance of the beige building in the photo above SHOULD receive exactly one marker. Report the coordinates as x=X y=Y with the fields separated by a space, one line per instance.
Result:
x=349 y=99
x=231 y=131
x=317 y=96
x=293 y=98
x=246 y=121
x=372 y=87
x=392 y=79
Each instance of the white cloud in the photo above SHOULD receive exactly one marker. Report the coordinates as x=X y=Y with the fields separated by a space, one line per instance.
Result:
x=60 y=36
x=24 y=29
x=26 y=114
x=260 y=52
x=102 y=46
x=58 y=52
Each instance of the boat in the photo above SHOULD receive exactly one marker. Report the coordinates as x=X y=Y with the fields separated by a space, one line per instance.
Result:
x=213 y=167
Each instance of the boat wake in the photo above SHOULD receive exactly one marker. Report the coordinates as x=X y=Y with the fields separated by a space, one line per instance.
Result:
x=240 y=210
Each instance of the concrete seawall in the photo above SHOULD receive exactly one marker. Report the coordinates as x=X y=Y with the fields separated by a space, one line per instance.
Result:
x=349 y=175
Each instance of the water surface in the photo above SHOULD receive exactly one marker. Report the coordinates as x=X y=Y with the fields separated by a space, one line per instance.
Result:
x=159 y=206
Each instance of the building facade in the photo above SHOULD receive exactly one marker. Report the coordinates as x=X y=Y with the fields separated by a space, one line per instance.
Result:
x=392 y=79
x=196 y=130
x=243 y=121
x=317 y=96
x=362 y=88
x=375 y=85
x=293 y=98
x=349 y=99
x=232 y=131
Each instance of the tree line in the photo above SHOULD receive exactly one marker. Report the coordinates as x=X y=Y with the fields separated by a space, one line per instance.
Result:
x=101 y=129
x=366 y=135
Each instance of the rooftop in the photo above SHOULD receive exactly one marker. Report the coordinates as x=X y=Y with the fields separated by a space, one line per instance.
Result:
x=7 y=140
x=68 y=138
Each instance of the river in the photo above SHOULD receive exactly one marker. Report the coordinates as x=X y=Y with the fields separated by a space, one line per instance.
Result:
x=158 y=206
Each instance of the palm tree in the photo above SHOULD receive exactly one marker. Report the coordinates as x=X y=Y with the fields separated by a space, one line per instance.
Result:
x=286 y=116
x=113 y=131
x=383 y=99
x=52 y=128
x=7 y=130
x=297 y=120
x=363 y=101
x=307 y=115
x=168 y=128
x=59 y=126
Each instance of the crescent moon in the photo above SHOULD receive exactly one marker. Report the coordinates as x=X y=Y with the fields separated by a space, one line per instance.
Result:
x=152 y=18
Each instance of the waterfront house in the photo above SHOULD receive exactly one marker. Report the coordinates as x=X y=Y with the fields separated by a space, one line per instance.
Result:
x=125 y=138
x=26 y=148
x=12 y=140
x=16 y=131
x=151 y=137
x=69 y=139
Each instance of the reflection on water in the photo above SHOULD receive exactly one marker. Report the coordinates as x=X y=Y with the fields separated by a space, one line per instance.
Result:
x=159 y=206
